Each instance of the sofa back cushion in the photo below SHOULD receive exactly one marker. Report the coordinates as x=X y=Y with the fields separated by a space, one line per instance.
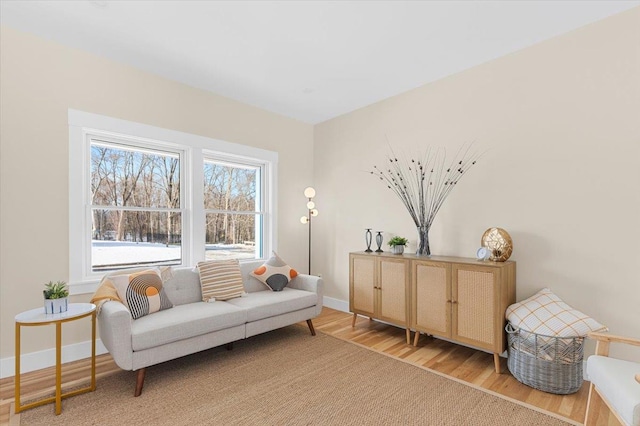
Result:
x=183 y=286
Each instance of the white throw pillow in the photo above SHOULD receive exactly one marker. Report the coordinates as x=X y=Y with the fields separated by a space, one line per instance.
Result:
x=545 y=313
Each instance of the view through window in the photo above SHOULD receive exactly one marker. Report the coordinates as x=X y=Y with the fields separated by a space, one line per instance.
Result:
x=232 y=208
x=136 y=219
x=145 y=196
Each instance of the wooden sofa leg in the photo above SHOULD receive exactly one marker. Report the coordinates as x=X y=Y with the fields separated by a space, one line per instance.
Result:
x=139 y=381
x=229 y=346
x=310 y=324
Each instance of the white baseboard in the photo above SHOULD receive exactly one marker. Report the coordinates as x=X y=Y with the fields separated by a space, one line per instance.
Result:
x=337 y=304
x=47 y=358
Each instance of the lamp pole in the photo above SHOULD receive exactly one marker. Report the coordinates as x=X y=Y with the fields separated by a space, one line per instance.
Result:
x=309 y=192
x=309 y=243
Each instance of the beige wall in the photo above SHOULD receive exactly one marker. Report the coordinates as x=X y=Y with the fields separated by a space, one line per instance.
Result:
x=561 y=125
x=39 y=82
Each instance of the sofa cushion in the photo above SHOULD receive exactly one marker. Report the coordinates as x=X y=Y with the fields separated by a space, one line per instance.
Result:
x=220 y=279
x=265 y=304
x=141 y=292
x=183 y=322
x=545 y=313
x=183 y=286
x=275 y=273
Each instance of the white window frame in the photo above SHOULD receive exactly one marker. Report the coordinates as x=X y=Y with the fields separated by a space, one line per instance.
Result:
x=83 y=126
x=142 y=146
x=261 y=190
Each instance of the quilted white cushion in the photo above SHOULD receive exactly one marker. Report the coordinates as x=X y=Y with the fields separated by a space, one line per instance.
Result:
x=545 y=313
x=614 y=378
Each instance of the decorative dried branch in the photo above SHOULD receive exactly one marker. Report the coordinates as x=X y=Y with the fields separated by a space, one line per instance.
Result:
x=424 y=184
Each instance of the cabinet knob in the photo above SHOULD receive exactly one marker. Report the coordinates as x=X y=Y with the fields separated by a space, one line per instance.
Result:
x=454 y=301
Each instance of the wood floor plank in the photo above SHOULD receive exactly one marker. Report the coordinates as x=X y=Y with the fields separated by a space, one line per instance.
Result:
x=475 y=367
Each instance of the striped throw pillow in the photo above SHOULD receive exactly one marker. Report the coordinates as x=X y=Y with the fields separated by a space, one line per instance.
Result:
x=141 y=292
x=220 y=280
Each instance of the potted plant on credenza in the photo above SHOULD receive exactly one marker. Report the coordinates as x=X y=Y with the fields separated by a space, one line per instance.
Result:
x=397 y=245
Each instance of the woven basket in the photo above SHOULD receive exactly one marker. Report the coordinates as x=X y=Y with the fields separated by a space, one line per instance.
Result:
x=548 y=363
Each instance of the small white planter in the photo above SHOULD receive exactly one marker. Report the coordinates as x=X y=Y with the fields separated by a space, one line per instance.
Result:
x=56 y=306
x=397 y=249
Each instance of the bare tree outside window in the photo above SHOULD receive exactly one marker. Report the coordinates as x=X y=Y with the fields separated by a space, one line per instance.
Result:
x=135 y=197
x=232 y=211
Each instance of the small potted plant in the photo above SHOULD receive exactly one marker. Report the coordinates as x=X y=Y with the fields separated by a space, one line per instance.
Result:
x=55 y=297
x=397 y=245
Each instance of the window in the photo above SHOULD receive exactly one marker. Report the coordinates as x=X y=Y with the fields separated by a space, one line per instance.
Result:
x=145 y=196
x=136 y=218
x=233 y=210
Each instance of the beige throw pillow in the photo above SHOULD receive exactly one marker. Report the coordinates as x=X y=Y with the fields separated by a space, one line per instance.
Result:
x=220 y=280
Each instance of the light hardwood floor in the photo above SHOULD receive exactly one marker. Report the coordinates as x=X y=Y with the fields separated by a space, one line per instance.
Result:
x=457 y=361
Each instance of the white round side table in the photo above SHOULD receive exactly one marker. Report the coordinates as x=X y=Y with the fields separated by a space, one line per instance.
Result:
x=37 y=317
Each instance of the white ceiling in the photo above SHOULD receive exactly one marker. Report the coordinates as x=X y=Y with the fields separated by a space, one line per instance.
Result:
x=308 y=60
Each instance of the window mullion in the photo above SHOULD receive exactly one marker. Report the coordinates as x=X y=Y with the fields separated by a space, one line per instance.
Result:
x=243 y=212
x=196 y=205
x=136 y=209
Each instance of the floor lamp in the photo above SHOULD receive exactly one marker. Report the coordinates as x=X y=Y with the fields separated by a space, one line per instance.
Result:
x=312 y=211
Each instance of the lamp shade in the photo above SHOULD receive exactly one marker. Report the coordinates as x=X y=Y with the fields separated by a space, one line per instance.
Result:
x=311 y=205
x=309 y=192
x=304 y=219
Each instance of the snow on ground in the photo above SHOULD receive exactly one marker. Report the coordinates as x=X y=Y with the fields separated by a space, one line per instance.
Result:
x=111 y=253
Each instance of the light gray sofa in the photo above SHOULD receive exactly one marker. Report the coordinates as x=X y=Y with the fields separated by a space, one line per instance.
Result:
x=192 y=325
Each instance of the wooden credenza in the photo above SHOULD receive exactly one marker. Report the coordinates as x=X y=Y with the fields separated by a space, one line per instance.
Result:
x=460 y=299
x=379 y=288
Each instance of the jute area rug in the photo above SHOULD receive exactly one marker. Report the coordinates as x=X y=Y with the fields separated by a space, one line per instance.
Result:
x=287 y=377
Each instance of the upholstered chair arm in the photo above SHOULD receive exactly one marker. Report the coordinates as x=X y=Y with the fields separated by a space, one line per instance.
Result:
x=114 y=323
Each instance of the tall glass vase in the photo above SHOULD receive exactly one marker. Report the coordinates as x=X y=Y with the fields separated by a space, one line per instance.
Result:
x=367 y=239
x=423 y=241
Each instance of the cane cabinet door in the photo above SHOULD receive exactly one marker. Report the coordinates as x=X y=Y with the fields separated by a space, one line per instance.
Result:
x=393 y=289
x=476 y=303
x=363 y=285
x=431 y=298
